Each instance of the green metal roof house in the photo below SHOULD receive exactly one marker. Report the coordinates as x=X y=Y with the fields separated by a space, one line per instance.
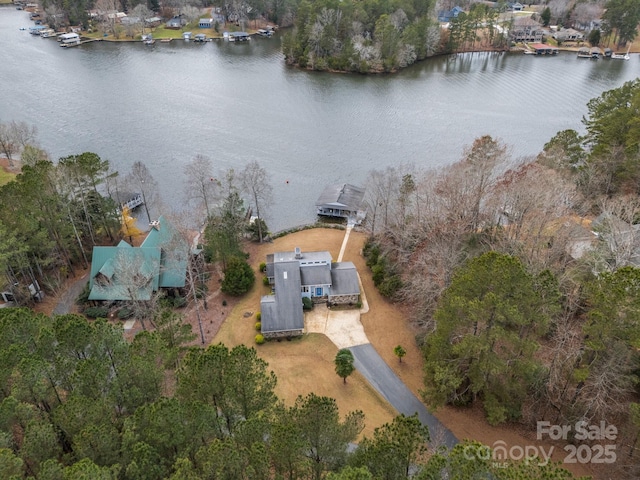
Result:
x=124 y=272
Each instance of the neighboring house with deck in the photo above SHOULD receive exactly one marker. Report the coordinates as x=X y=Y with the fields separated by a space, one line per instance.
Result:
x=205 y=23
x=176 y=22
x=568 y=35
x=295 y=275
x=342 y=200
x=526 y=30
x=445 y=16
x=124 y=272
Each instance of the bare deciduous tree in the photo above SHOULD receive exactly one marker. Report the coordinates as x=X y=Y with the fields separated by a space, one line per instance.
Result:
x=201 y=186
x=381 y=188
x=255 y=182
x=32 y=155
x=141 y=181
x=531 y=207
x=107 y=10
x=142 y=12
x=134 y=272
x=559 y=8
x=617 y=232
x=585 y=13
x=15 y=136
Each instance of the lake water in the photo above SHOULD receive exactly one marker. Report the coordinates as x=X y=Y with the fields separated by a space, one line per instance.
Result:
x=166 y=103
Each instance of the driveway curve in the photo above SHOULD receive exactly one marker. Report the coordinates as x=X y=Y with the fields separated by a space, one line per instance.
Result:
x=370 y=364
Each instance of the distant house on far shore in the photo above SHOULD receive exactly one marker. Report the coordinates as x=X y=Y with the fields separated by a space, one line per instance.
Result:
x=568 y=35
x=526 y=30
x=445 y=16
x=176 y=22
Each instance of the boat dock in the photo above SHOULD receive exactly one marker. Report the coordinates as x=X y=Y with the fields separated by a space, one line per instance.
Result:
x=132 y=201
x=81 y=42
x=541 y=49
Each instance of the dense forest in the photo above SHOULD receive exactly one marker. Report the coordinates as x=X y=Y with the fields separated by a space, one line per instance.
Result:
x=367 y=36
x=77 y=401
x=523 y=274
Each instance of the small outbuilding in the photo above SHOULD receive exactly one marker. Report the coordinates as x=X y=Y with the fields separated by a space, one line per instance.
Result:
x=205 y=23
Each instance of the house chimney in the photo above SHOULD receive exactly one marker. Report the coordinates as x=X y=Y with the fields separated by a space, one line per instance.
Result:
x=298 y=253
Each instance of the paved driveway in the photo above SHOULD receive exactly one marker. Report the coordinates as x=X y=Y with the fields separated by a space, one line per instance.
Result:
x=344 y=329
x=370 y=364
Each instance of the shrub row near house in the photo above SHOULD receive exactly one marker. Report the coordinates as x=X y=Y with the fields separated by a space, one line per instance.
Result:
x=258 y=326
x=173 y=302
x=96 y=312
x=260 y=339
x=125 y=313
x=307 y=304
x=384 y=277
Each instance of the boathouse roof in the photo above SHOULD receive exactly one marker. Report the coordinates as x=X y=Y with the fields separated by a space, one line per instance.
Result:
x=343 y=195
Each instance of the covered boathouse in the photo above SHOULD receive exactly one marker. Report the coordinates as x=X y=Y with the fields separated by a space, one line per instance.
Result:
x=342 y=200
x=542 y=49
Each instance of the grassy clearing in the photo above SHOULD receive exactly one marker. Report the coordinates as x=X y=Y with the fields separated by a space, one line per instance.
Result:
x=5 y=177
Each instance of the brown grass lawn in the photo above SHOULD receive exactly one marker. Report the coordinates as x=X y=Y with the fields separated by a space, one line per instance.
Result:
x=7 y=173
x=306 y=365
x=303 y=365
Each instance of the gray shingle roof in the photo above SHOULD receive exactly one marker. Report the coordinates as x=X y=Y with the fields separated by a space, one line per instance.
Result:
x=306 y=257
x=283 y=313
x=316 y=275
x=344 y=279
x=343 y=195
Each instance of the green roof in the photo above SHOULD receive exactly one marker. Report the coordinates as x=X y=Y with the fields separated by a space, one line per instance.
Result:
x=174 y=253
x=134 y=273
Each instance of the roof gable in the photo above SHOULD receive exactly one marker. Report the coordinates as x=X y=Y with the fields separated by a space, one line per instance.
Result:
x=344 y=278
